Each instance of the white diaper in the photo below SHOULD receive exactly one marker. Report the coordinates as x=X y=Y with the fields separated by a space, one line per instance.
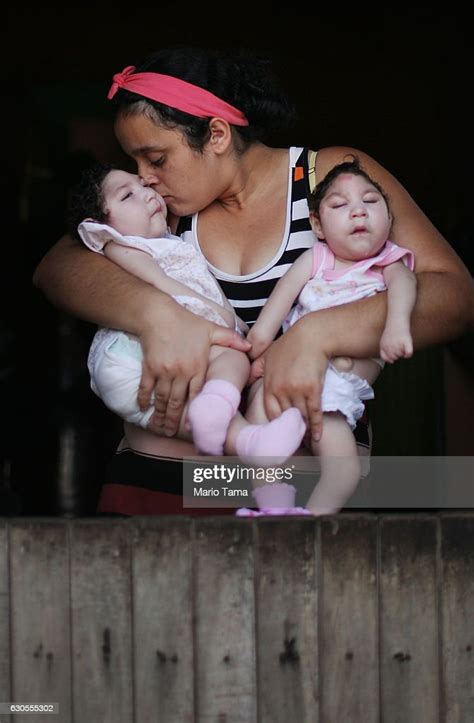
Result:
x=115 y=377
x=343 y=392
x=115 y=366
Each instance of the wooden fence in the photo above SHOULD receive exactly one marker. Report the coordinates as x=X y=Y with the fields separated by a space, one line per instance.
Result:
x=347 y=619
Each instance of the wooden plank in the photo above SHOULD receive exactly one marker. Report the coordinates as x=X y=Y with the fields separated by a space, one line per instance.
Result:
x=348 y=620
x=163 y=620
x=40 y=620
x=101 y=621
x=287 y=636
x=457 y=610
x=409 y=656
x=225 y=621
x=5 y=692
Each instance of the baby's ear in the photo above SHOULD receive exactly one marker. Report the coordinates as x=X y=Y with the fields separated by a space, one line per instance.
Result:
x=316 y=225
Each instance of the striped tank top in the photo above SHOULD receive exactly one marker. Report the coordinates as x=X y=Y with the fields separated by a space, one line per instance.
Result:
x=248 y=293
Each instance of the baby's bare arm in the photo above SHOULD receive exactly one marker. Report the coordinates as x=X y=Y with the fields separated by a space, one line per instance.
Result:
x=227 y=305
x=396 y=341
x=142 y=265
x=279 y=304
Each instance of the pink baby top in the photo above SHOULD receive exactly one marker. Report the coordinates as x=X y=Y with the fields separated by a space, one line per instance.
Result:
x=178 y=259
x=331 y=287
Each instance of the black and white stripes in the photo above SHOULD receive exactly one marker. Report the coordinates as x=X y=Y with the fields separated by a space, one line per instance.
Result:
x=248 y=294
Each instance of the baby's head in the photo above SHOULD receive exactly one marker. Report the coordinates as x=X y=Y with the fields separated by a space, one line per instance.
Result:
x=119 y=199
x=350 y=212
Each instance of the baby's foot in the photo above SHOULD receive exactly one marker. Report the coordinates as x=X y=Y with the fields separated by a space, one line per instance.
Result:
x=286 y=511
x=342 y=363
x=210 y=413
x=273 y=511
x=246 y=512
x=275 y=494
x=271 y=443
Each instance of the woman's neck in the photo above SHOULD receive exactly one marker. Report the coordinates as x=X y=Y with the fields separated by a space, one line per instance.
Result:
x=252 y=174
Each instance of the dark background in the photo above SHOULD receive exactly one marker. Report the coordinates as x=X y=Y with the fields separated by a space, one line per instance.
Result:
x=394 y=82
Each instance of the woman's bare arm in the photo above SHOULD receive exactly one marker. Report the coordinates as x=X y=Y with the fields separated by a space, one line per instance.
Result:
x=94 y=288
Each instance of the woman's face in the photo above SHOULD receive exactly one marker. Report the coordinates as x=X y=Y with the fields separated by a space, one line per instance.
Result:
x=186 y=179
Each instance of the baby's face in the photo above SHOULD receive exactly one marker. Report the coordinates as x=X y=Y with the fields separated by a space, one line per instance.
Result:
x=132 y=208
x=353 y=218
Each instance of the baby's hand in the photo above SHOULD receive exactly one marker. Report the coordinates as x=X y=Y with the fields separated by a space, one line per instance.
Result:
x=396 y=344
x=260 y=343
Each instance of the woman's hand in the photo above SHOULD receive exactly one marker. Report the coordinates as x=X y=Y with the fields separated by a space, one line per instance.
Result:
x=175 y=361
x=294 y=368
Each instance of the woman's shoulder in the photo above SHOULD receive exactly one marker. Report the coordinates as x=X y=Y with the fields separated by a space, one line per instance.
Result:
x=331 y=156
x=319 y=162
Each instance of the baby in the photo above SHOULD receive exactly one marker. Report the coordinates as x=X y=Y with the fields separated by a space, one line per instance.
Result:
x=352 y=259
x=117 y=215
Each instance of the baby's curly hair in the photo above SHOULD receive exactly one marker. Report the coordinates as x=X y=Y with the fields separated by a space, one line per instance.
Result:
x=353 y=167
x=86 y=199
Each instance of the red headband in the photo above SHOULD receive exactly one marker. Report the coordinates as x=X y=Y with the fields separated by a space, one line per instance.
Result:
x=176 y=93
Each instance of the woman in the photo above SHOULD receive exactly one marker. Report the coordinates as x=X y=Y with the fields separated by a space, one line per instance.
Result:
x=243 y=204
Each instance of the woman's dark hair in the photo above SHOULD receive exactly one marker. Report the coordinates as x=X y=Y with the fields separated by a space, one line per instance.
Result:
x=353 y=167
x=86 y=199
x=244 y=80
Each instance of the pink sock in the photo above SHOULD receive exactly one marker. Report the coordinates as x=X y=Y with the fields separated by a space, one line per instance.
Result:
x=276 y=494
x=274 y=442
x=210 y=414
x=268 y=511
x=277 y=498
